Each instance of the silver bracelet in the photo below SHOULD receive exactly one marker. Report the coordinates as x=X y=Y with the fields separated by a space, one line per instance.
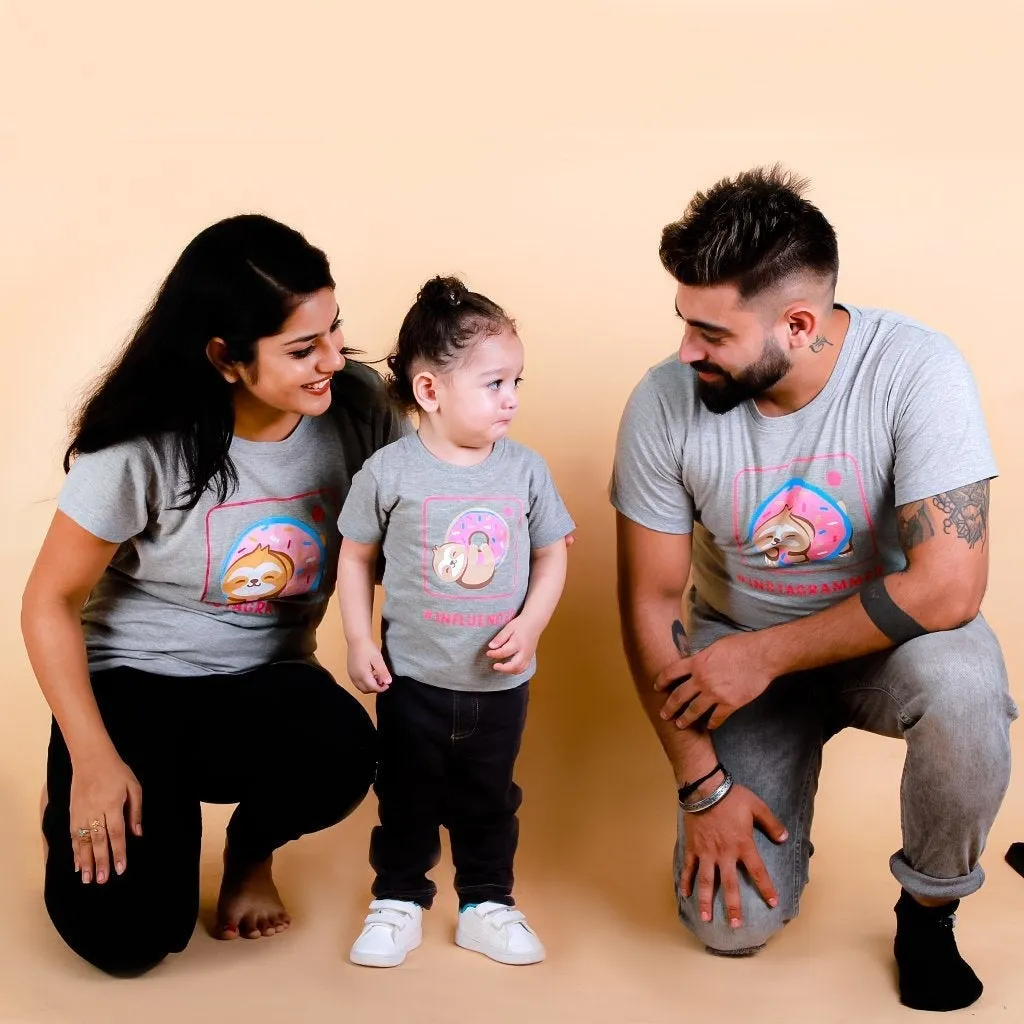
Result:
x=706 y=802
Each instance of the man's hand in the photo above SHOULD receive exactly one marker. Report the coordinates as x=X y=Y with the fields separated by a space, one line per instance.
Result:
x=722 y=838
x=721 y=678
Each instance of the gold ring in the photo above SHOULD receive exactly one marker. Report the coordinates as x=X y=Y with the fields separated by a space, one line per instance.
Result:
x=83 y=833
x=96 y=825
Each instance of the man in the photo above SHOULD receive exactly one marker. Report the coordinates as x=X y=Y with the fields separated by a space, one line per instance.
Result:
x=823 y=472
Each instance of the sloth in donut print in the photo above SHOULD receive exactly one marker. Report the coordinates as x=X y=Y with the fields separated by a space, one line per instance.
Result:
x=279 y=556
x=474 y=546
x=801 y=523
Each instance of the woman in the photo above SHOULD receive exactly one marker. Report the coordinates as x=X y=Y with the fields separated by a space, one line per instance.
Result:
x=170 y=617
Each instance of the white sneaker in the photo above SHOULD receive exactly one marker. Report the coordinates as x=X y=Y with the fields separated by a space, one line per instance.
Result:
x=391 y=929
x=499 y=932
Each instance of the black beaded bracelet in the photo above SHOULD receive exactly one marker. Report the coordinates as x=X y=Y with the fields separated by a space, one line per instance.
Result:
x=685 y=792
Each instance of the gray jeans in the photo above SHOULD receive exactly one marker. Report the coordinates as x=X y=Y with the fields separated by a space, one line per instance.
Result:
x=944 y=693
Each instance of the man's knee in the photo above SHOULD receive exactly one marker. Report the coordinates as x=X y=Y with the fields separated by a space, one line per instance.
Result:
x=955 y=681
x=760 y=923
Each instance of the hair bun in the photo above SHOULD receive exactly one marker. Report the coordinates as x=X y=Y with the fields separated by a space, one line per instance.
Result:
x=442 y=294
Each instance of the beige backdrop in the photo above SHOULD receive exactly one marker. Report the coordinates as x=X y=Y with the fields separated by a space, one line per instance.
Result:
x=537 y=148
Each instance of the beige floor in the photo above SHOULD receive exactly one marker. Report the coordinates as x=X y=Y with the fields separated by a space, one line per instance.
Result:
x=594 y=878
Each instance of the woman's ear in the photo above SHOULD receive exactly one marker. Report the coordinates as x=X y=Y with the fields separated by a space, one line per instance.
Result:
x=424 y=390
x=217 y=353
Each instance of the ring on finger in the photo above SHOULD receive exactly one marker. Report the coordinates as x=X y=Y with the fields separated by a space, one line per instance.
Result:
x=97 y=826
x=83 y=834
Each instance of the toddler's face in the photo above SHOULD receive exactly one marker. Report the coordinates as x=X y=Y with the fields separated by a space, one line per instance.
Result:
x=477 y=398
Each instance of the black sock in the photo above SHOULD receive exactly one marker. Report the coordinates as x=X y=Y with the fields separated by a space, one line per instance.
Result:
x=933 y=975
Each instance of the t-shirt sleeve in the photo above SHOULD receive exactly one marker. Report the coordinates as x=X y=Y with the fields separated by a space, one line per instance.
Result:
x=647 y=485
x=549 y=519
x=113 y=492
x=362 y=518
x=939 y=433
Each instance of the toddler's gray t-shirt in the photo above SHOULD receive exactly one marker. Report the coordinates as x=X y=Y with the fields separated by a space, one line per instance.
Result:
x=456 y=543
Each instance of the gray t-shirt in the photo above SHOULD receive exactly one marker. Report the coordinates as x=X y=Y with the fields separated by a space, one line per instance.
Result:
x=790 y=514
x=224 y=587
x=456 y=543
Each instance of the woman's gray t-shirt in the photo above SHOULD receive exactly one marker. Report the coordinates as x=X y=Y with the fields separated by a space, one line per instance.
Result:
x=225 y=586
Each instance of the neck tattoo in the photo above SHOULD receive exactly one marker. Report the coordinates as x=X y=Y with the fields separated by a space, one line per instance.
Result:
x=819 y=343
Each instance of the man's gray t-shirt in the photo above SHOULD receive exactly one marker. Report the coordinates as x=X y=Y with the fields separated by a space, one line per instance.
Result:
x=226 y=586
x=456 y=543
x=790 y=514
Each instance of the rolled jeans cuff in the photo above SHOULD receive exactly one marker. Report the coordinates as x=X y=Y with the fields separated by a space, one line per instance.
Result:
x=918 y=884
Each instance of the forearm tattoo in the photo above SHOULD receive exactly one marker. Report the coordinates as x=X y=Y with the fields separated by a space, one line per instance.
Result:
x=680 y=639
x=965 y=512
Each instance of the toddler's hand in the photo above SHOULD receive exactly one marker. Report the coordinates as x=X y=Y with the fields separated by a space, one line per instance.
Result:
x=517 y=642
x=366 y=667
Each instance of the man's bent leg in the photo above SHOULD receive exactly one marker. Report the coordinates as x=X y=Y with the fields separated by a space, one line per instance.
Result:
x=772 y=746
x=946 y=694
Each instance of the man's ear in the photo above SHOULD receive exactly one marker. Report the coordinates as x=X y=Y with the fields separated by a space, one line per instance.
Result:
x=801 y=325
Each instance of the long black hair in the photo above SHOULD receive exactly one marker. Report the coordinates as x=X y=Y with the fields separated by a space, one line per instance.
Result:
x=238 y=280
x=444 y=318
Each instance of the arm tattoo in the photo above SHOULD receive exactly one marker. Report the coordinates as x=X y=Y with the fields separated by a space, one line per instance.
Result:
x=819 y=343
x=913 y=525
x=966 y=511
x=679 y=638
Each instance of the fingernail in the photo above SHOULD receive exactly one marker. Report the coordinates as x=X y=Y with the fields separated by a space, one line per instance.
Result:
x=783 y=837
x=664 y=714
x=773 y=902
x=86 y=877
x=138 y=830
x=734 y=922
x=100 y=877
x=119 y=867
x=705 y=915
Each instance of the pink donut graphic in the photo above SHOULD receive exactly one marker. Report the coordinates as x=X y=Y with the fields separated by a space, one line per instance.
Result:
x=480 y=526
x=800 y=523
x=288 y=553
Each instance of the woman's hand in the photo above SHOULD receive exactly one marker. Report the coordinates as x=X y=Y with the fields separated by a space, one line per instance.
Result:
x=366 y=667
x=100 y=788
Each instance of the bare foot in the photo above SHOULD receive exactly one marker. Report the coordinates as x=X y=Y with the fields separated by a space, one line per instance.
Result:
x=249 y=904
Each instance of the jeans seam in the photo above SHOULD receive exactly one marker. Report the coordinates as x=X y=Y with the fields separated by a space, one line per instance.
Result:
x=905 y=720
x=799 y=861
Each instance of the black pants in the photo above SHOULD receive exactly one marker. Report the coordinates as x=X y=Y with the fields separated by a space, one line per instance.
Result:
x=285 y=741
x=446 y=758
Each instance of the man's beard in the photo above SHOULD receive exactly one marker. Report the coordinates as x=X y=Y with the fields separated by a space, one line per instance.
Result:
x=730 y=390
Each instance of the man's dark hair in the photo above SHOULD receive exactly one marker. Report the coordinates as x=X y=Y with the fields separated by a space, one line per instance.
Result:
x=752 y=231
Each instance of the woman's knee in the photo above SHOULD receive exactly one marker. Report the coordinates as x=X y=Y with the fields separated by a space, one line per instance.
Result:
x=122 y=948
